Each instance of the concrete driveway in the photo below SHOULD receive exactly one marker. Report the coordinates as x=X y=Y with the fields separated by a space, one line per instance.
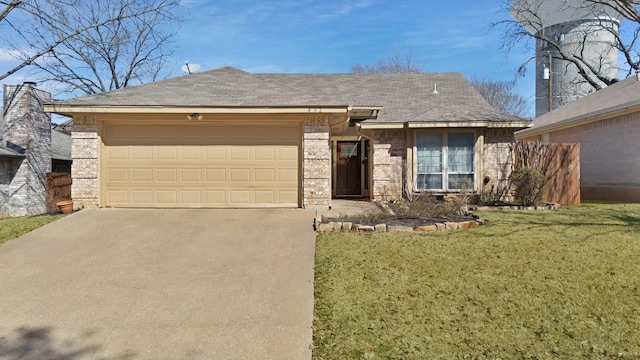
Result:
x=160 y=284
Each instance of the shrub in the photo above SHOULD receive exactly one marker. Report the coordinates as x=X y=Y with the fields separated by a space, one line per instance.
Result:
x=527 y=184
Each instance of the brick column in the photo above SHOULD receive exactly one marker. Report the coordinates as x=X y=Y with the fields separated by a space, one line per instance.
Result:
x=316 y=182
x=84 y=170
x=389 y=164
x=498 y=158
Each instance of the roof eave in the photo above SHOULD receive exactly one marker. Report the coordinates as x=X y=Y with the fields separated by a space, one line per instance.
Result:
x=594 y=116
x=69 y=110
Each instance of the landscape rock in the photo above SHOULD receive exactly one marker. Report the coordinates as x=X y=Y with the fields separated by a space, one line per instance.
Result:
x=325 y=227
x=399 y=228
x=346 y=226
x=467 y=225
x=440 y=227
x=337 y=226
x=381 y=228
x=366 y=228
x=451 y=225
x=427 y=228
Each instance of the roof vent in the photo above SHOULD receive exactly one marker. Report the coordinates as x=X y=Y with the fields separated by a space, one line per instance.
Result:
x=435 y=88
x=29 y=83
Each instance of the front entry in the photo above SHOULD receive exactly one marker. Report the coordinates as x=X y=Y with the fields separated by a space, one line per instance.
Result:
x=348 y=168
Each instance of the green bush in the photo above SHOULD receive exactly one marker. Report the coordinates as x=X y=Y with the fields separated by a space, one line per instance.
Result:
x=527 y=184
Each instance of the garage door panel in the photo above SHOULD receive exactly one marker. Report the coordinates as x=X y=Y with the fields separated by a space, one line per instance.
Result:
x=118 y=196
x=142 y=153
x=191 y=175
x=142 y=175
x=214 y=153
x=142 y=197
x=242 y=175
x=265 y=175
x=238 y=153
x=117 y=153
x=239 y=197
x=191 y=153
x=265 y=153
x=288 y=175
x=191 y=197
x=216 y=175
x=166 y=196
x=215 y=198
x=287 y=154
x=167 y=175
x=265 y=196
x=201 y=166
x=288 y=197
x=167 y=153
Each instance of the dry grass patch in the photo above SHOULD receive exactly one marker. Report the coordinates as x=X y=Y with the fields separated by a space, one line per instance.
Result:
x=527 y=285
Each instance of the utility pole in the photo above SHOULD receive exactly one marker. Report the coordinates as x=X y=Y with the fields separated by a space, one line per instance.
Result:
x=550 y=90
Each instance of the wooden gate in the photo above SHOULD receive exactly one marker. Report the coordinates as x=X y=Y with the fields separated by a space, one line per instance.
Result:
x=58 y=188
x=560 y=163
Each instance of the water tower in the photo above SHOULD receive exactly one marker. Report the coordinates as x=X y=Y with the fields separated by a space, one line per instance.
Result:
x=577 y=27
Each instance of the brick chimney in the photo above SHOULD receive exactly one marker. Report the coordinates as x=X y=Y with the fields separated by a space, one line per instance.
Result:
x=25 y=128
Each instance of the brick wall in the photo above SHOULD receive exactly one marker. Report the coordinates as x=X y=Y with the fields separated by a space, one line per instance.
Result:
x=389 y=164
x=316 y=183
x=609 y=150
x=84 y=169
x=497 y=158
x=27 y=127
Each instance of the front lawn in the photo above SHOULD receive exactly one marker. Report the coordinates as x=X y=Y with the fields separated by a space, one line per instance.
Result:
x=12 y=228
x=527 y=285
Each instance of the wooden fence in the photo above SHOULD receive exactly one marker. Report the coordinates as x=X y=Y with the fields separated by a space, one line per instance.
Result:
x=58 y=188
x=560 y=163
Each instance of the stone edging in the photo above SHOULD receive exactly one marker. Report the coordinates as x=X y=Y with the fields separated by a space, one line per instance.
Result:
x=345 y=226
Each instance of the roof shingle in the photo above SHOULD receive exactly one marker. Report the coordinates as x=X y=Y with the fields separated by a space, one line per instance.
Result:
x=407 y=97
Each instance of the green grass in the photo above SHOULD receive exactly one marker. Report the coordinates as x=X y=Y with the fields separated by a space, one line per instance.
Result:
x=12 y=228
x=527 y=285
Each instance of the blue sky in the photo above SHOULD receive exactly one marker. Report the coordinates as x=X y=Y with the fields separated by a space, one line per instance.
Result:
x=312 y=36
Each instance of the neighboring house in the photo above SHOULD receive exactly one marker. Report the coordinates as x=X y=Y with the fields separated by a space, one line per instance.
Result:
x=60 y=152
x=29 y=149
x=228 y=138
x=606 y=124
x=25 y=150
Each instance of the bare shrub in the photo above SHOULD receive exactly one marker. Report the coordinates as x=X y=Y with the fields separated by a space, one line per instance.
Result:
x=528 y=184
x=377 y=216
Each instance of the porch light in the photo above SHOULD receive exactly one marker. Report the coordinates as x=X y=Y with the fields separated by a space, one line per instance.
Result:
x=194 y=115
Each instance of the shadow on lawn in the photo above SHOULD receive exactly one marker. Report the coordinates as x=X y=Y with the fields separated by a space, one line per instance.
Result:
x=39 y=343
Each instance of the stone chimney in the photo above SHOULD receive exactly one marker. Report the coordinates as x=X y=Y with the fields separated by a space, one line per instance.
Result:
x=25 y=129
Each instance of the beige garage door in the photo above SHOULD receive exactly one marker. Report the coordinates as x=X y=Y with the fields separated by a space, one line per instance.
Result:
x=199 y=165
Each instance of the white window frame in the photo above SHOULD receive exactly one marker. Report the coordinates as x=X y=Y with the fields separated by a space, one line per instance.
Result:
x=445 y=159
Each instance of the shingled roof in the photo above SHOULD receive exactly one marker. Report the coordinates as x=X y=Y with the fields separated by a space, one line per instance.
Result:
x=621 y=96
x=407 y=97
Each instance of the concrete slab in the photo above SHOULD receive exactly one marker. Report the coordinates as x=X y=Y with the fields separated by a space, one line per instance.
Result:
x=349 y=207
x=160 y=284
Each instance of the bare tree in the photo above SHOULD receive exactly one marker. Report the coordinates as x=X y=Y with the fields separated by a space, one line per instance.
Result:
x=88 y=46
x=592 y=63
x=394 y=63
x=502 y=95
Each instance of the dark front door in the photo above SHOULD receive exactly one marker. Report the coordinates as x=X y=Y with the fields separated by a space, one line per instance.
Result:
x=348 y=167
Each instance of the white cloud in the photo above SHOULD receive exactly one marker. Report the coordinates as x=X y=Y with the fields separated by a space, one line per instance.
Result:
x=7 y=55
x=346 y=9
